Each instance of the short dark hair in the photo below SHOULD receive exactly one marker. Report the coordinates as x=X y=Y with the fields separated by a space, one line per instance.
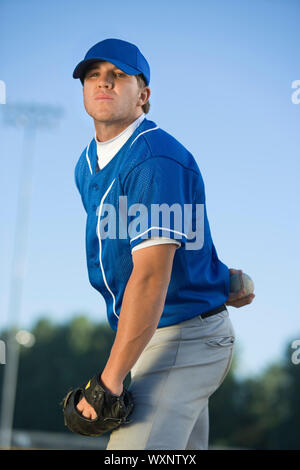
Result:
x=142 y=82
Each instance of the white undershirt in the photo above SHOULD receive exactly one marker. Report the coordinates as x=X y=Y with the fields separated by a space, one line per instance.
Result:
x=107 y=150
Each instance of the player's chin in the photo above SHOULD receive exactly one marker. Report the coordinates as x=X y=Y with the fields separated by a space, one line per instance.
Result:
x=102 y=114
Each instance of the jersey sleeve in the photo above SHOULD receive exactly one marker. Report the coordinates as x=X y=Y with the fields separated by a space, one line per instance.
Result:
x=155 y=241
x=160 y=194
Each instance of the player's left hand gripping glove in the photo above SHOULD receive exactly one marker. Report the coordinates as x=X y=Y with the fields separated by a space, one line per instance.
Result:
x=112 y=410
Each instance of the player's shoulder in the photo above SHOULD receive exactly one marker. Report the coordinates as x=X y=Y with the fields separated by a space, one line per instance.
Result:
x=83 y=165
x=80 y=160
x=152 y=141
x=82 y=155
x=88 y=150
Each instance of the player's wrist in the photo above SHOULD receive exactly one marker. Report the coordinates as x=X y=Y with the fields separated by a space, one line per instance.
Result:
x=114 y=387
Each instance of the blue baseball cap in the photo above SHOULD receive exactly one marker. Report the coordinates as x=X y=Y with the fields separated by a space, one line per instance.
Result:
x=123 y=54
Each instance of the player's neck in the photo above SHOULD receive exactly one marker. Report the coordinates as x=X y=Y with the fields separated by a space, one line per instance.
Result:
x=108 y=130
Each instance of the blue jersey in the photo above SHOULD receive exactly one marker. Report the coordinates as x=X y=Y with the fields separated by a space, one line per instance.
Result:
x=151 y=187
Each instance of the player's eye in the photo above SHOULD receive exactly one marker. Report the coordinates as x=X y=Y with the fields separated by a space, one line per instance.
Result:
x=92 y=74
x=96 y=74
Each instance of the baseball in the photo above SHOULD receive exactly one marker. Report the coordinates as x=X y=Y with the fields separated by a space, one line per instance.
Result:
x=235 y=283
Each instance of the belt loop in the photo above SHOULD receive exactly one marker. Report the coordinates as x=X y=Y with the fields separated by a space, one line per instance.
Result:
x=200 y=316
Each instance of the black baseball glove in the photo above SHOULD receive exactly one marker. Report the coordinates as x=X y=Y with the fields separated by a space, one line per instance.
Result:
x=112 y=410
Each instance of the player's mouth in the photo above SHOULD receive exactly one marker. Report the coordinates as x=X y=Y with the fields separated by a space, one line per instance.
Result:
x=103 y=96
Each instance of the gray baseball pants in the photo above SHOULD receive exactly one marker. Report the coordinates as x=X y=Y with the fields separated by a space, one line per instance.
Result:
x=171 y=382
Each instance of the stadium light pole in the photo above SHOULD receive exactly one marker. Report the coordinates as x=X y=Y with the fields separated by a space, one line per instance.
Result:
x=31 y=118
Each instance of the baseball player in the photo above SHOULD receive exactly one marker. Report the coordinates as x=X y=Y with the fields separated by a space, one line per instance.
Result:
x=165 y=288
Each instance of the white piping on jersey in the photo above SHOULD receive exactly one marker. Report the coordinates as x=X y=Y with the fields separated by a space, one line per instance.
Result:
x=100 y=248
x=160 y=228
x=87 y=156
x=148 y=130
x=87 y=150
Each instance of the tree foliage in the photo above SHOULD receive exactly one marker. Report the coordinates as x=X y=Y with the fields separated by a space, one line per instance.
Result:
x=254 y=413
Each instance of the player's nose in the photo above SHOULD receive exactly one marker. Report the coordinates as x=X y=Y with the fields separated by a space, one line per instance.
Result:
x=105 y=80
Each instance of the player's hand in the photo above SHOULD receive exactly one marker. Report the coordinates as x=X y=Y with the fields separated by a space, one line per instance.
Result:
x=86 y=409
x=238 y=299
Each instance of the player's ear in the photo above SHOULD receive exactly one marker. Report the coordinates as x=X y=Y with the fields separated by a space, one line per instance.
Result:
x=144 y=95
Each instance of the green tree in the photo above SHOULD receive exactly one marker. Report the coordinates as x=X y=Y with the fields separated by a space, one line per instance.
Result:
x=62 y=357
x=253 y=413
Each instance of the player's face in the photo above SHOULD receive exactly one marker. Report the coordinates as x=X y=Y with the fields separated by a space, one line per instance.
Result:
x=123 y=93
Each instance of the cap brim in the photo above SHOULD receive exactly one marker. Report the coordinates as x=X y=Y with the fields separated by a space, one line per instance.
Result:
x=79 y=71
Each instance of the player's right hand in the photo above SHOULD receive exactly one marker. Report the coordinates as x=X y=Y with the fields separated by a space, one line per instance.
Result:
x=238 y=299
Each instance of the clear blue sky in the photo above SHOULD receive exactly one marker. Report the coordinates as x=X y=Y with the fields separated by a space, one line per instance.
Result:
x=221 y=75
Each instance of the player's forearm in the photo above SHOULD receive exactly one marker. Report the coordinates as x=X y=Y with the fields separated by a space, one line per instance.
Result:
x=142 y=306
